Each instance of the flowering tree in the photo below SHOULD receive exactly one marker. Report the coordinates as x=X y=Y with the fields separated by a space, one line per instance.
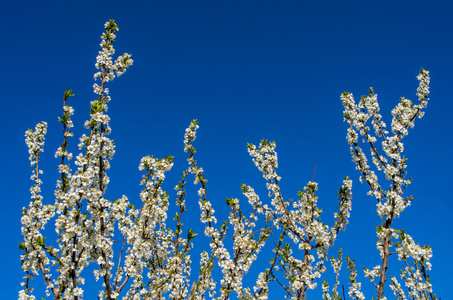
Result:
x=155 y=254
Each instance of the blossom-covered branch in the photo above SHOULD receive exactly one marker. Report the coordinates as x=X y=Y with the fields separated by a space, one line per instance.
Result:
x=390 y=202
x=85 y=219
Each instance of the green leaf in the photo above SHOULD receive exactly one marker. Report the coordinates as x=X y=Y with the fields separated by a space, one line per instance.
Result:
x=191 y=234
x=40 y=241
x=229 y=201
x=96 y=107
x=68 y=93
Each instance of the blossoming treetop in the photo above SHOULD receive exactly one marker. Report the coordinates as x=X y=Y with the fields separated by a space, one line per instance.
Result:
x=152 y=257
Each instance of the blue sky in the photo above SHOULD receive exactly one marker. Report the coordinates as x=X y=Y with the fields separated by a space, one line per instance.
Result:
x=247 y=70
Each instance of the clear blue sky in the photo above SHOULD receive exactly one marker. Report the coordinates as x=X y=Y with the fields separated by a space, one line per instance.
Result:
x=246 y=70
